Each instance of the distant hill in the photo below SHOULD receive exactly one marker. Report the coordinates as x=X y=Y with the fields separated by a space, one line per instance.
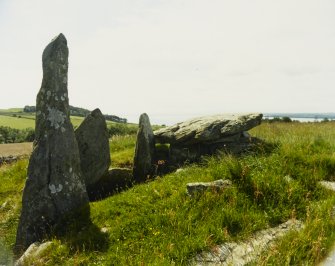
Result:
x=77 y=111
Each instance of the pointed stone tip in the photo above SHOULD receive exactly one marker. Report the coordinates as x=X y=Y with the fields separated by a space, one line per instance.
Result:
x=57 y=43
x=144 y=115
x=96 y=112
x=60 y=38
x=144 y=119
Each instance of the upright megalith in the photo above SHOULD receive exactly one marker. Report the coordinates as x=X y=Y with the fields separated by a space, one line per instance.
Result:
x=54 y=187
x=144 y=150
x=93 y=142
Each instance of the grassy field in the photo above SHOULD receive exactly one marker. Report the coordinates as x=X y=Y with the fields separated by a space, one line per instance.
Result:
x=15 y=118
x=28 y=121
x=16 y=149
x=157 y=223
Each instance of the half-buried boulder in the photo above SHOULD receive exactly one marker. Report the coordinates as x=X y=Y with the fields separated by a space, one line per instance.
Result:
x=93 y=142
x=144 y=150
x=54 y=187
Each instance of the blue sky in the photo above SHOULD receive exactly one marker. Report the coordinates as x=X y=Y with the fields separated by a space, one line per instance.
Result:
x=175 y=59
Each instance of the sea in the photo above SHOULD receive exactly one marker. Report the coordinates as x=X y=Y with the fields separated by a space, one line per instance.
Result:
x=303 y=117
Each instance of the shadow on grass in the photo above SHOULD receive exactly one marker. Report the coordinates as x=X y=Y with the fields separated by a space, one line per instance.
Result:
x=80 y=234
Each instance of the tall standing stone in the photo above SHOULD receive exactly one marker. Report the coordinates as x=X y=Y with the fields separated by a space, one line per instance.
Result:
x=144 y=150
x=54 y=187
x=93 y=142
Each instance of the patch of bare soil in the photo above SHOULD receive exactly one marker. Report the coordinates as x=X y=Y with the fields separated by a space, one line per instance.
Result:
x=16 y=149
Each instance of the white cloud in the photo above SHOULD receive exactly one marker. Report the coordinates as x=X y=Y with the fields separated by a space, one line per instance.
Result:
x=178 y=58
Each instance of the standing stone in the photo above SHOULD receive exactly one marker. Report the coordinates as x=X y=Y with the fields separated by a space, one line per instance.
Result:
x=144 y=150
x=54 y=187
x=93 y=143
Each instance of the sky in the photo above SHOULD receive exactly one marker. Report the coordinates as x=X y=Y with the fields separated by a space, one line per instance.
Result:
x=175 y=59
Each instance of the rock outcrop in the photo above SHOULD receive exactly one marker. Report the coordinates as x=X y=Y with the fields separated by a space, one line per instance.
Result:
x=208 y=129
x=201 y=187
x=248 y=251
x=33 y=253
x=191 y=139
x=93 y=143
x=54 y=187
x=144 y=150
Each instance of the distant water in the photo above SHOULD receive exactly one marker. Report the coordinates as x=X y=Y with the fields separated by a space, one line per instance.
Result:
x=302 y=119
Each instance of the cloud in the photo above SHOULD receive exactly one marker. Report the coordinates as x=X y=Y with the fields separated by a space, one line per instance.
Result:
x=175 y=57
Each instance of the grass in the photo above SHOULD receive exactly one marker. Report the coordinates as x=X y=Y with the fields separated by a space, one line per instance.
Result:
x=122 y=150
x=11 y=186
x=16 y=122
x=157 y=223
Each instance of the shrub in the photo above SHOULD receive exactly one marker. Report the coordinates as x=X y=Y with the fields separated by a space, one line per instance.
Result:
x=12 y=135
x=120 y=129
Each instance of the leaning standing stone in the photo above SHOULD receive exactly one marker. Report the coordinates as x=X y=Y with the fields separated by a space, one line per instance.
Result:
x=93 y=143
x=144 y=150
x=54 y=186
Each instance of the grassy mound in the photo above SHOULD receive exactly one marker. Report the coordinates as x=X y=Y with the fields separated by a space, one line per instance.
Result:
x=157 y=223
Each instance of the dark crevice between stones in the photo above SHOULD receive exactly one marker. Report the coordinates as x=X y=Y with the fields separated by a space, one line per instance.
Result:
x=115 y=181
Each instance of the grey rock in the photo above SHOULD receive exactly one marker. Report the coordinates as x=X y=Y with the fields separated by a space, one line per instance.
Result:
x=9 y=159
x=208 y=129
x=200 y=187
x=33 y=253
x=93 y=143
x=328 y=184
x=54 y=187
x=245 y=252
x=144 y=150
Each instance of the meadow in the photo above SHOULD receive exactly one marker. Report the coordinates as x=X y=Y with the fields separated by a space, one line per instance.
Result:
x=157 y=223
x=17 y=126
x=23 y=121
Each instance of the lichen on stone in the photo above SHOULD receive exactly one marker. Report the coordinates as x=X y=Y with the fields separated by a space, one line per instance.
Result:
x=48 y=94
x=54 y=189
x=56 y=117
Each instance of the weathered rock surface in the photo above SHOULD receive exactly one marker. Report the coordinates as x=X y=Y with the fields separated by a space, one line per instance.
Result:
x=93 y=143
x=8 y=159
x=54 y=187
x=115 y=180
x=208 y=129
x=328 y=184
x=201 y=187
x=194 y=138
x=248 y=251
x=144 y=150
x=33 y=253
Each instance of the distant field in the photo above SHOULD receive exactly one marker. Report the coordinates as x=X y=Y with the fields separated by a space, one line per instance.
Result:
x=24 y=120
x=16 y=122
x=11 y=110
x=16 y=149
x=16 y=118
